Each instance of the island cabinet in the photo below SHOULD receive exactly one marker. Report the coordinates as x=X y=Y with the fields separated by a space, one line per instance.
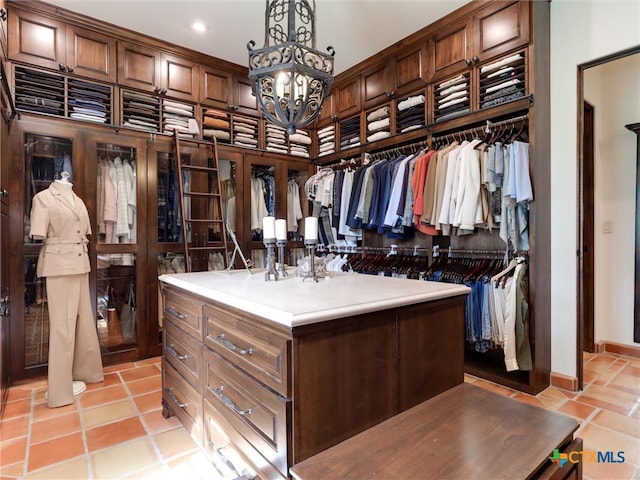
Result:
x=267 y=374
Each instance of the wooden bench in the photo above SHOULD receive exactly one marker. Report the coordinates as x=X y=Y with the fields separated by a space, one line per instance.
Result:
x=464 y=433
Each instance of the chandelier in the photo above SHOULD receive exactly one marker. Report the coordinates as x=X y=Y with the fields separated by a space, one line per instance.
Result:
x=289 y=77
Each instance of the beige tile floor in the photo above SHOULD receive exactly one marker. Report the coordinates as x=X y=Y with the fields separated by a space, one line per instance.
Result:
x=116 y=429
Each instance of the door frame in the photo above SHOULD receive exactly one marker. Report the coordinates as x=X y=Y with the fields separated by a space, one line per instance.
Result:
x=580 y=195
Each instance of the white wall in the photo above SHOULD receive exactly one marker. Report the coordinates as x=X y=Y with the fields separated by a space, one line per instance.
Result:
x=581 y=31
x=613 y=89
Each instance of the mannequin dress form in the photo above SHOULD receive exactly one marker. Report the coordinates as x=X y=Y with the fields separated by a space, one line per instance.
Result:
x=60 y=218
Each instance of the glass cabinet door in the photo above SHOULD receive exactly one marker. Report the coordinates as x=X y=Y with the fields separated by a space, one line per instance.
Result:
x=116 y=190
x=260 y=188
x=230 y=171
x=46 y=158
x=297 y=210
x=120 y=293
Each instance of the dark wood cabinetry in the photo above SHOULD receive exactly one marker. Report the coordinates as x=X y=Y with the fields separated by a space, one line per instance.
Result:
x=3 y=30
x=490 y=31
x=152 y=70
x=347 y=98
x=40 y=150
x=462 y=43
x=225 y=90
x=50 y=43
x=404 y=72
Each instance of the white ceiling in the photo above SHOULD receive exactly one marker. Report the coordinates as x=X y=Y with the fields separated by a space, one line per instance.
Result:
x=356 y=29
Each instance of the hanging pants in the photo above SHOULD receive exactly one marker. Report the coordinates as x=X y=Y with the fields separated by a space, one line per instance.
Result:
x=74 y=350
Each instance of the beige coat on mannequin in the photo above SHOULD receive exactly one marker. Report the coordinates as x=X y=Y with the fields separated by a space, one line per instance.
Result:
x=60 y=217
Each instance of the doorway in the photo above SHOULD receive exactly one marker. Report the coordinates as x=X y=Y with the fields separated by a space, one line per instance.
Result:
x=586 y=214
x=601 y=306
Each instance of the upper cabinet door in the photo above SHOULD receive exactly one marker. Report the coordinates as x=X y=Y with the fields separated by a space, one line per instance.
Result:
x=489 y=32
x=243 y=99
x=36 y=40
x=181 y=77
x=347 y=98
x=501 y=27
x=91 y=54
x=450 y=49
x=377 y=85
x=51 y=44
x=225 y=90
x=139 y=67
x=148 y=69
x=410 y=69
x=215 y=87
x=326 y=111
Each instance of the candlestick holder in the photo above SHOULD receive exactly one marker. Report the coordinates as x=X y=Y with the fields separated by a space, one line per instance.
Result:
x=311 y=247
x=281 y=270
x=270 y=243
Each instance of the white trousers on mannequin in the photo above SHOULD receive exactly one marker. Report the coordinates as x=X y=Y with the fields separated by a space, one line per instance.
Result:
x=74 y=350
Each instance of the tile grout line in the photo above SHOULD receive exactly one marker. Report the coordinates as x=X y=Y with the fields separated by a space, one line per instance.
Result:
x=83 y=432
x=155 y=447
x=27 y=448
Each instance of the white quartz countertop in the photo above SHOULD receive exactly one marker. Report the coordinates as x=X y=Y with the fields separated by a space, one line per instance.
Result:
x=292 y=302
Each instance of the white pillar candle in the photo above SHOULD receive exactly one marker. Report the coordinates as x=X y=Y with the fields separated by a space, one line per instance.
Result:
x=269 y=227
x=311 y=228
x=281 y=229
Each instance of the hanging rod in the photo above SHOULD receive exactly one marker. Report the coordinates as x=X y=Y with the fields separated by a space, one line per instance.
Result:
x=503 y=123
x=479 y=128
x=452 y=252
x=394 y=249
x=400 y=149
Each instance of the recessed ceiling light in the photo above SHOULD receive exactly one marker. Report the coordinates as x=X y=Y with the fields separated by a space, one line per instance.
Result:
x=198 y=26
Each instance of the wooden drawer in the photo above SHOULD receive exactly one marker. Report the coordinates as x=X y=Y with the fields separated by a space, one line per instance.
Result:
x=256 y=412
x=184 y=354
x=225 y=444
x=260 y=352
x=184 y=311
x=183 y=400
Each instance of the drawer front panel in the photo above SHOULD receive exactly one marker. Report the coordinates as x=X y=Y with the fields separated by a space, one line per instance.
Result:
x=224 y=444
x=260 y=353
x=183 y=353
x=185 y=312
x=259 y=414
x=183 y=400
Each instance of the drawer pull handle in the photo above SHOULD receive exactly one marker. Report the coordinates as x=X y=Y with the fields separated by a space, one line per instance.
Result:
x=174 y=398
x=175 y=313
x=232 y=347
x=175 y=354
x=229 y=403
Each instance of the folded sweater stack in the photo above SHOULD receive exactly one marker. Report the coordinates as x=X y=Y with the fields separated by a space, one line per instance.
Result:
x=245 y=132
x=299 y=144
x=175 y=118
x=327 y=140
x=378 y=124
x=452 y=98
x=411 y=114
x=216 y=123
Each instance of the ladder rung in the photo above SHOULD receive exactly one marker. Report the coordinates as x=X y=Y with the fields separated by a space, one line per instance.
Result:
x=219 y=247
x=195 y=141
x=199 y=169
